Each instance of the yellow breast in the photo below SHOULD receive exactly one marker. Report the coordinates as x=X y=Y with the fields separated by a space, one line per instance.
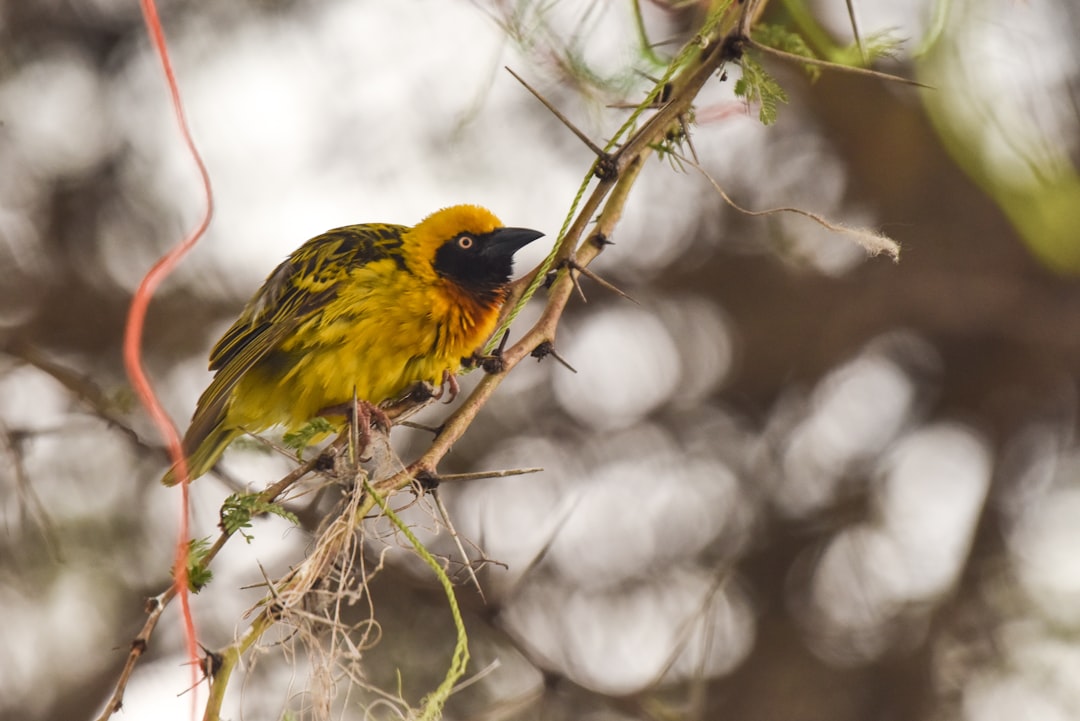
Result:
x=385 y=331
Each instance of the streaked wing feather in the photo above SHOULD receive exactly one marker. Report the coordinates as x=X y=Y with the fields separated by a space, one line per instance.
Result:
x=301 y=286
x=294 y=285
x=213 y=401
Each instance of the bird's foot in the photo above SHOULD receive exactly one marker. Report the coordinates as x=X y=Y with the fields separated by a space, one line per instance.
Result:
x=449 y=386
x=365 y=417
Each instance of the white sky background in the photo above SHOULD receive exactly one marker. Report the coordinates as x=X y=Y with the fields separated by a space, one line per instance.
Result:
x=344 y=113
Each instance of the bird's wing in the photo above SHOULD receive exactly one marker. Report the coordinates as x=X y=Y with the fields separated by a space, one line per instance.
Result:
x=298 y=288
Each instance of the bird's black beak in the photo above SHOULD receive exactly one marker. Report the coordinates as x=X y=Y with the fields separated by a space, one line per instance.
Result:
x=507 y=241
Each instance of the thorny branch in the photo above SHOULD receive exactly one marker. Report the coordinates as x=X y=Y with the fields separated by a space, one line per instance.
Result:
x=156 y=605
x=724 y=37
x=616 y=172
x=716 y=49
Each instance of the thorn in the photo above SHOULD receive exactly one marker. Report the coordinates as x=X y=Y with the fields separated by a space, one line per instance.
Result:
x=434 y=430
x=478 y=475
x=426 y=480
x=632 y=106
x=503 y=341
x=594 y=277
x=600 y=240
x=547 y=348
x=658 y=102
x=674 y=40
x=689 y=139
x=597 y=150
x=856 y=34
x=651 y=78
x=574 y=279
x=211 y=663
x=437 y=497
x=834 y=66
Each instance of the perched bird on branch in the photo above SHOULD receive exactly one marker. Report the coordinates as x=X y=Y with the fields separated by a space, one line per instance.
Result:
x=360 y=312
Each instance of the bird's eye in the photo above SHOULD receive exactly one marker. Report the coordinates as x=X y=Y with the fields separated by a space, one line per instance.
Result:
x=465 y=242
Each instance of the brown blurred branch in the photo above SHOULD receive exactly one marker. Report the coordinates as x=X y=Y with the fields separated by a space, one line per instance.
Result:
x=30 y=505
x=85 y=391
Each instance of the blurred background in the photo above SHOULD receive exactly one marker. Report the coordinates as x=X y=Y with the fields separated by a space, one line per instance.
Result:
x=792 y=482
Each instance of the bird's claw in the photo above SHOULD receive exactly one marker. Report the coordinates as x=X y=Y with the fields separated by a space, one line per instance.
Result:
x=449 y=386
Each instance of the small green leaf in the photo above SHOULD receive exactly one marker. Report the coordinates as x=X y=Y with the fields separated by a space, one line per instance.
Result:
x=757 y=86
x=885 y=44
x=124 y=399
x=300 y=439
x=199 y=574
x=239 y=508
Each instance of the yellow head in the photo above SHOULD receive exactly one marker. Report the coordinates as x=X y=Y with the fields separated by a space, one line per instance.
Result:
x=466 y=245
x=448 y=222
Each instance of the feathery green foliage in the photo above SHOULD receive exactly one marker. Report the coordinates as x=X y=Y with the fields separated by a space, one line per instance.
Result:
x=757 y=86
x=199 y=573
x=300 y=439
x=789 y=41
x=239 y=508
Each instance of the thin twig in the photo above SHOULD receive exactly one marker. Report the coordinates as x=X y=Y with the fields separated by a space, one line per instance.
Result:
x=84 y=390
x=30 y=506
x=154 y=608
x=597 y=150
x=157 y=604
x=600 y=281
x=547 y=348
x=871 y=241
x=97 y=402
x=851 y=69
x=855 y=30
x=457 y=542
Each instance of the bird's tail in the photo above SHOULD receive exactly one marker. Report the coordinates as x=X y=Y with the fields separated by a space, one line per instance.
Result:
x=203 y=457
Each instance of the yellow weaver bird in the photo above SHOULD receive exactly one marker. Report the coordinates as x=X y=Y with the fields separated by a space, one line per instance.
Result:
x=365 y=312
